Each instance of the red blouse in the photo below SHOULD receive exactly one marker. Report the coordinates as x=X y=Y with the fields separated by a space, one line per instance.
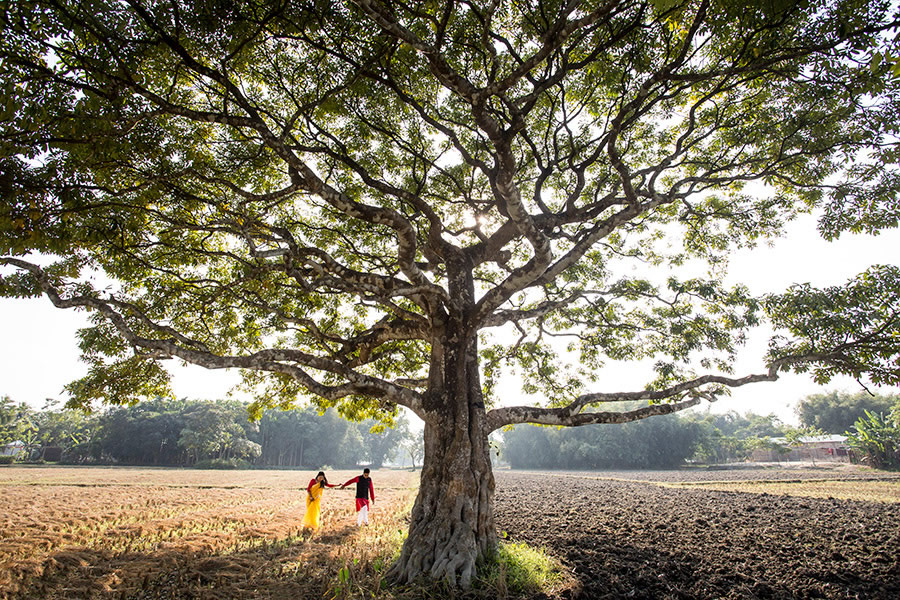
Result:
x=313 y=482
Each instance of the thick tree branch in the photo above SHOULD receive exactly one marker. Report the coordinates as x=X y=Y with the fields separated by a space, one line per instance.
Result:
x=276 y=360
x=572 y=414
x=527 y=414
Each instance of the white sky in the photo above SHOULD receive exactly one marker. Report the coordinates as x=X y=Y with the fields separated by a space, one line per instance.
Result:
x=801 y=257
x=39 y=352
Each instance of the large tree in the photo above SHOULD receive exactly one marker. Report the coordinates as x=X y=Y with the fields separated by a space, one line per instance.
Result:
x=376 y=204
x=837 y=412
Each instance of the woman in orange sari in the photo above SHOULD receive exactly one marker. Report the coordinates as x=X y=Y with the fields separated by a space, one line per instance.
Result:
x=314 y=500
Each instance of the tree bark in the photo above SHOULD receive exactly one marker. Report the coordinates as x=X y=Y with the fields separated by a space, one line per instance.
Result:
x=452 y=522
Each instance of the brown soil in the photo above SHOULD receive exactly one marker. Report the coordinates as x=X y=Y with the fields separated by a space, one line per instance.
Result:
x=626 y=536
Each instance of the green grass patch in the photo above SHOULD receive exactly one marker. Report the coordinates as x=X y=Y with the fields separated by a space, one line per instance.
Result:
x=520 y=570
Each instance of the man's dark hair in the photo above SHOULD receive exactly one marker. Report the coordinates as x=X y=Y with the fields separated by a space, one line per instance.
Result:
x=366 y=470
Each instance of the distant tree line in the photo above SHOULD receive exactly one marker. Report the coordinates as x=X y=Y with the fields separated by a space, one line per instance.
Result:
x=872 y=424
x=837 y=412
x=662 y=442
x=218 y=433
x=657 y=443
x=198 y=432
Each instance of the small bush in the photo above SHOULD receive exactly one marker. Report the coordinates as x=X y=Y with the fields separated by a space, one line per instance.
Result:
x=7 y=460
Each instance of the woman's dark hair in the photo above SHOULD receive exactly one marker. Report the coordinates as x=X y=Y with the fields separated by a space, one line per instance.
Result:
x=324 y=481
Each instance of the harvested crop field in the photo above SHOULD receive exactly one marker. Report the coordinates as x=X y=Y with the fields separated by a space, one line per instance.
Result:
x=170 y=533
x=713 y=534
x=186 y=534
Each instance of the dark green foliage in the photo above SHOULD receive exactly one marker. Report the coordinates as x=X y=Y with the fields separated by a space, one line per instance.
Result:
x=731 y=436
x=203 y=433
x=143 y=434
x=659 y=443
x=15 y=420
x=876 y=439
x=837 y=412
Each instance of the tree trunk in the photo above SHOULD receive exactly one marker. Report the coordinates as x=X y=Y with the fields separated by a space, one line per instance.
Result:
x=452 y=521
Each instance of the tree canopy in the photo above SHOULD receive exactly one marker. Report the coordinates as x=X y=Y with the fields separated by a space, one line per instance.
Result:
x=373 y=203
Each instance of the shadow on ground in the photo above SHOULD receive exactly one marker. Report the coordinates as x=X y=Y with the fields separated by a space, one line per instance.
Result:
x=297 y=567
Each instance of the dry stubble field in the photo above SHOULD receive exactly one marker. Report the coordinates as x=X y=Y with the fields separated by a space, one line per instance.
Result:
x=168 y=533
x=85 y=532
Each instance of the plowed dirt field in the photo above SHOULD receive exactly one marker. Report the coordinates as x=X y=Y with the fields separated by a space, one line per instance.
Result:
x=661 y=535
